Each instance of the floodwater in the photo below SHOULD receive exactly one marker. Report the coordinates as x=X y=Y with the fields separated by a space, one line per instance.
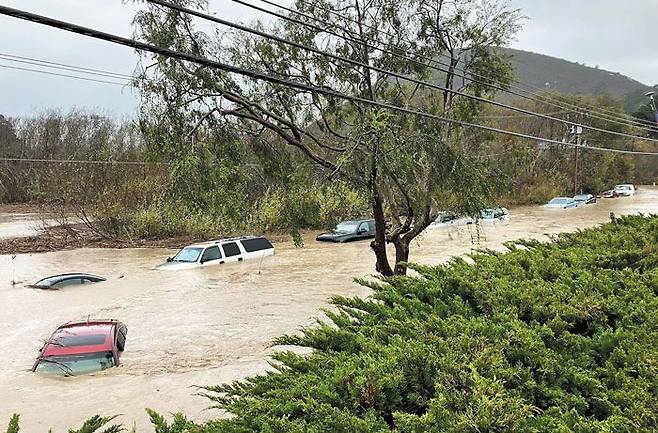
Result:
x=19 y=224
x=205 y=326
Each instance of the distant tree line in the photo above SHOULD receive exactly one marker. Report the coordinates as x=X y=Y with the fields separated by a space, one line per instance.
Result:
x=54 y=135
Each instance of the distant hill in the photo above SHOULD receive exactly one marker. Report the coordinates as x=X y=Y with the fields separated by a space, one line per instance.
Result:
x=551 y=73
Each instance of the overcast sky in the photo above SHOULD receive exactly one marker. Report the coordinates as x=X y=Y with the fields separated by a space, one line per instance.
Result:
x=617 y=35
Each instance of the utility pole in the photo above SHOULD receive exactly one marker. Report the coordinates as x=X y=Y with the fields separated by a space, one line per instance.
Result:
x=576 y=131
x=653 y=103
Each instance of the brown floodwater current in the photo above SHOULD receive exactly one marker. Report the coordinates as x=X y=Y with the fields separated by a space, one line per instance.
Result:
x=204 y=326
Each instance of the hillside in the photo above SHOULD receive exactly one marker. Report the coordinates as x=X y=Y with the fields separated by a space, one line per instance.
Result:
x=543 y=71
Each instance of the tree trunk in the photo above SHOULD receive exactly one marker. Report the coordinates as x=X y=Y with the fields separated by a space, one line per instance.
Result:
x=401 y=255
x=378 y=244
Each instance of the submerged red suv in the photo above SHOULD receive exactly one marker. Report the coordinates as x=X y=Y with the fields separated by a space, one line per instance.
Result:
x=82 y=347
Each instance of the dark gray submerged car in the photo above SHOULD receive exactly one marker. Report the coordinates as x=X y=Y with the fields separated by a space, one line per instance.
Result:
x=60 y=281
x=349 y=231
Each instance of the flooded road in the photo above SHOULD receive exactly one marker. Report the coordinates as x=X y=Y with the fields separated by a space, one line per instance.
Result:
x=19 y=224
x=205 y=326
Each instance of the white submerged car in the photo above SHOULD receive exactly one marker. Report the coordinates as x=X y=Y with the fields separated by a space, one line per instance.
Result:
x=626 y=190
x=219 y=252
x=450 y=219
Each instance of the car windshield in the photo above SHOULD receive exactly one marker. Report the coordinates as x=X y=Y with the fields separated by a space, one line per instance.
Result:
x=346 y=227
x=445 y=217
x=624 y=187
x=74 y=365
x=47 y=282
x=581 y=197
x=487 y=214
x=559 y=201
x=188 y=255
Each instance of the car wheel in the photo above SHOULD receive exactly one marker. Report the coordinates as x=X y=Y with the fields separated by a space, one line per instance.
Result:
x=121 y=339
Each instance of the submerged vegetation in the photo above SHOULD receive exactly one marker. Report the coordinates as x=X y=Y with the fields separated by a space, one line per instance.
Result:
x=548 y=337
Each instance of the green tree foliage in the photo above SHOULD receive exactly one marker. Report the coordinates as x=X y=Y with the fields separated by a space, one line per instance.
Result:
x=534 y=172
x=96 y=423
x=78 y=135
x=408 y=168
x=13 y=426
x=92 y=425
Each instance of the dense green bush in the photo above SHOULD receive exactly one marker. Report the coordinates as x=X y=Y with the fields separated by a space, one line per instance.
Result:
x=305 y=206
x=549 y=337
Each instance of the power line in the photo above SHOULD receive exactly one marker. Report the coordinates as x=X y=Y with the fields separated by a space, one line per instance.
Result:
x=96 y=34
x=542 y=99
x=63 y=75
x=384 y=71
x=518 y=116
x=546 y=100
x=81 y=161
x=63 y=66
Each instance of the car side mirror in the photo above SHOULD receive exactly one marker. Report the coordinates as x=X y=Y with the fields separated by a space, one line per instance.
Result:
x=202 y=261
x=170 y=259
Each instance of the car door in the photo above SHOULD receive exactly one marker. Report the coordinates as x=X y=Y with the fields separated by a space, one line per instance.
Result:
x=211 y=256
x=363 y=231
x=231 y=252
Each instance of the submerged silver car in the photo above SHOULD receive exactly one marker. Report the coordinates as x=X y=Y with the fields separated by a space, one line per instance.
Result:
x=56 y=282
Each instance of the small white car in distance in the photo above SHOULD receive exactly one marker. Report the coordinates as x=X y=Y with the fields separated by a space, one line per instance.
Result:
x=627 y=190
x=219 y=252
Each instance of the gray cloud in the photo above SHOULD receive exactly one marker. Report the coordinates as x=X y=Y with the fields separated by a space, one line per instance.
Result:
x=618 y=36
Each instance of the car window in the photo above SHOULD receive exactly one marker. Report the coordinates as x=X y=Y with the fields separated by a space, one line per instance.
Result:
x=211 y=253
x=68 y=282
x=47 y=282
x=73 y=365
x=487 y=214
x=371 y=225
x=231 y=249
x=257 y=244
x=346 y=227
x=79 y=340
x=363 y=226
x=188 y=255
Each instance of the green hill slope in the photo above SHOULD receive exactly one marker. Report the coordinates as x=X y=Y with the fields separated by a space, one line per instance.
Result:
x=545 y=72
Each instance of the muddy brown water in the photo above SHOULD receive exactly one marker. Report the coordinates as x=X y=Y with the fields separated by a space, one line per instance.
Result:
x=19 y=224
x=205 y=326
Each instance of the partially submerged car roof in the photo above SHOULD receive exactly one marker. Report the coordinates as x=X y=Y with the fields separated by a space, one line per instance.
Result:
x=81 y=337
x=53 y=279
x=364 y=220
x=75 y=274
x=222 y=241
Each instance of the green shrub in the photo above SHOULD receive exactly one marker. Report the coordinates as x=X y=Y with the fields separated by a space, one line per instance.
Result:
x=560 y=337
x=303 y=206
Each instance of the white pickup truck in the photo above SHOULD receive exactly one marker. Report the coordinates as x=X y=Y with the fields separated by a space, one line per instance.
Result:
x=219 y=252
